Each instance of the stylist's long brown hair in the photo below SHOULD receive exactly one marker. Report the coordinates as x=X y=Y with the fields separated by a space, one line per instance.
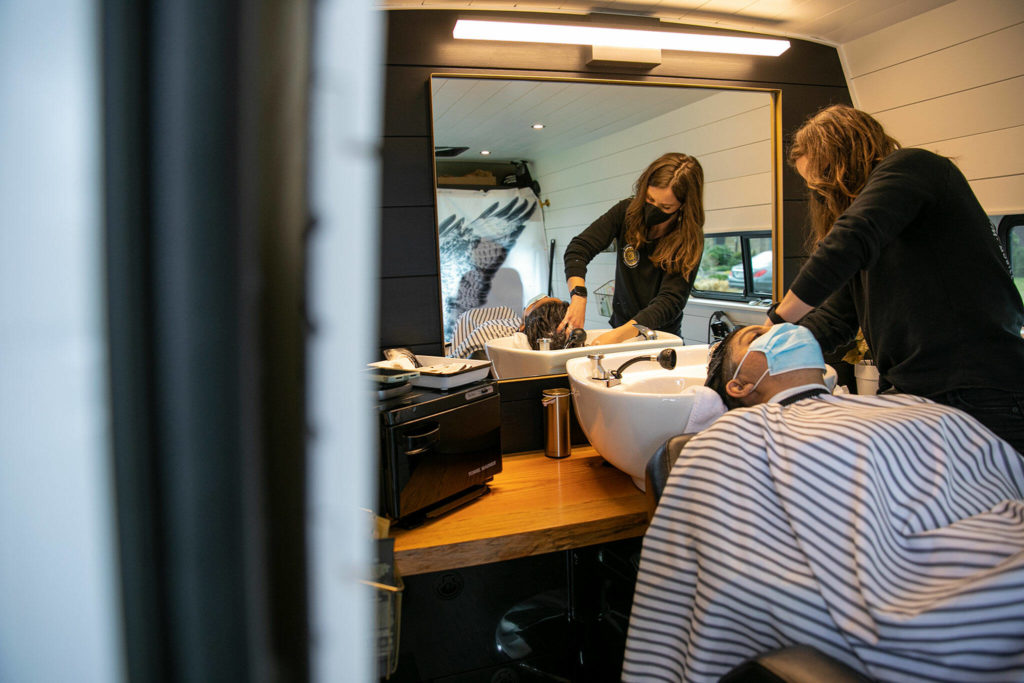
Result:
x=842 y=145
x=680 y=249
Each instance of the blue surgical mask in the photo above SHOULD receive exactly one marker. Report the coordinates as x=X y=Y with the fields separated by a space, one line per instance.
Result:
x=785 y=347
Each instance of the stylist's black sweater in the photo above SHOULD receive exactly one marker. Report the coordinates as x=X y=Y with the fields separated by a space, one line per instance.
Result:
x=644 y=293
x=915 y=264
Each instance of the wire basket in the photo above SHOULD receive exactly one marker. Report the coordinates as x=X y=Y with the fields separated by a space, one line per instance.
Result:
x=389 y=621
x=604 y=295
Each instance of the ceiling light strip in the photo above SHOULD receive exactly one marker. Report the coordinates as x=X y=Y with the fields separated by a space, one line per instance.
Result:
x=473 y=29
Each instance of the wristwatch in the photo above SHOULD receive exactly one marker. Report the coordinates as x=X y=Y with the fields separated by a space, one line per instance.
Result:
x=773 y=316
x=578 y=290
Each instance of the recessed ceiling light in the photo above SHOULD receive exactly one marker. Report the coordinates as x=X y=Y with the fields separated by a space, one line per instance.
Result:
x=566 y=34
x=485 y=152
x=537 y=126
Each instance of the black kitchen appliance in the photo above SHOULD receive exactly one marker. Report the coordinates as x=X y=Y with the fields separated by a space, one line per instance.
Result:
x=438 y=449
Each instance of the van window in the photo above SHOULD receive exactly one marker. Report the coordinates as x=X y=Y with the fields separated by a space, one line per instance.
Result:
x=736 y=266
x=1011 y=237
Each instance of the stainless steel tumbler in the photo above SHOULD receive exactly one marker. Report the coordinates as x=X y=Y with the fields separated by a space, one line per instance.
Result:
x=556 y=422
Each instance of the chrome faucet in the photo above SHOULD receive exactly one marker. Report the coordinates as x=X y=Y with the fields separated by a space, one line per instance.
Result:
x=645 y=331
x=598 y=372
x=666 y=358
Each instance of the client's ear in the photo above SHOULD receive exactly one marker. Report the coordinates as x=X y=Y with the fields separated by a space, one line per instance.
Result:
x=738 y=389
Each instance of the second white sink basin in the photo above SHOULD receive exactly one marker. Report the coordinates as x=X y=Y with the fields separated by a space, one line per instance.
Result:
x=627 y=423
x=509 y=361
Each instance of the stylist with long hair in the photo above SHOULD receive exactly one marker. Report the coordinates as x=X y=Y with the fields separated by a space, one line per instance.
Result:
x=659 y=241
x=905 y=252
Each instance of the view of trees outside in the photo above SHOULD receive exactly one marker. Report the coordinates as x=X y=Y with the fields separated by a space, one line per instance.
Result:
x=722 y=268
x=720 y=255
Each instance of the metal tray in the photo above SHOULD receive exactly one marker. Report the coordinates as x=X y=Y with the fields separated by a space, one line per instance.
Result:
x=433 y=377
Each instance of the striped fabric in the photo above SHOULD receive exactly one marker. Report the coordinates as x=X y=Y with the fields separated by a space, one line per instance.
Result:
x=476 y=327
x=887 y=531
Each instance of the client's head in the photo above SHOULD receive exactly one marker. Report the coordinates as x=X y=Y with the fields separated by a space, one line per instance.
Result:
x=755 y=362
x=541 y=319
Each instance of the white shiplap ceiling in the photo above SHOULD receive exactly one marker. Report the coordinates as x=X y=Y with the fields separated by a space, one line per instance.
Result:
x=498 y=114
x=826 y=21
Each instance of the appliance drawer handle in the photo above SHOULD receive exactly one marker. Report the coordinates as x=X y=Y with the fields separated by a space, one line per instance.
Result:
x=421 y=443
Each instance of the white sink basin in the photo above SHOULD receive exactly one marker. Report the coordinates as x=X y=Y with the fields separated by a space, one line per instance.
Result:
x=627 y=423
x=509 y=361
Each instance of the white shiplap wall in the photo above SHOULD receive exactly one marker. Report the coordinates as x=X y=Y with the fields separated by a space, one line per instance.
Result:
x=729 y=133
x=952 y=81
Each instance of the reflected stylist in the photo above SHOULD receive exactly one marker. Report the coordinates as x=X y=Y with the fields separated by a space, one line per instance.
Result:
x=659 y=241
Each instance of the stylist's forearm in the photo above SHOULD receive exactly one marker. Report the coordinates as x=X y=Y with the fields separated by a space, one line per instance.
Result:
x=575 y=281
x=792 y=308
x=617 y=335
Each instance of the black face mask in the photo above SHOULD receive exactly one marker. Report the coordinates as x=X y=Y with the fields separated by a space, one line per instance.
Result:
x=653 y=215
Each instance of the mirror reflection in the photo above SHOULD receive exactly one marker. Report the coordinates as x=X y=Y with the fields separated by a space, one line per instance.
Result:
x=525 y=165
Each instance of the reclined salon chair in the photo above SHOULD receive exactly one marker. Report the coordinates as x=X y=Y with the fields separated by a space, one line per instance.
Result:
x=791 y=664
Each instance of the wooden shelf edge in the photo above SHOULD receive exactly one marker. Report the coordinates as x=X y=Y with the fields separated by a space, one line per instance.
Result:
x=485 y=551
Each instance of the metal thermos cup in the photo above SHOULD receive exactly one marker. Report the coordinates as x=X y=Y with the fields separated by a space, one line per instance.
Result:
x=556 y=422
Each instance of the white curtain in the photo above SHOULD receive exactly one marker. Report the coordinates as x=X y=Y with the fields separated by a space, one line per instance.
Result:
x=493 y=250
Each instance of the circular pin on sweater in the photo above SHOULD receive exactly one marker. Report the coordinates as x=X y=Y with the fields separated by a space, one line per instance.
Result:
x=630 y=257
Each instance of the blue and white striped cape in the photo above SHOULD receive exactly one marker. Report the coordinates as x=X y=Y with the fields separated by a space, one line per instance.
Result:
x=478 y=326
x=887 y=531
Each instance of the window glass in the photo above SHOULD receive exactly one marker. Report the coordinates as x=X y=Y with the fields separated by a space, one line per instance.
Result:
x=736 y=266
x=761 y=265
x=721 y=254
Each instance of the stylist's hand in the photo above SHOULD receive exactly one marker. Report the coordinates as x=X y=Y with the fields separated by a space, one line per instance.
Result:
x=619 y=334
x=575 y=315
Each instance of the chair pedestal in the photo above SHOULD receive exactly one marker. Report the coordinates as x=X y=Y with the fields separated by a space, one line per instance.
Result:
x=579 y=633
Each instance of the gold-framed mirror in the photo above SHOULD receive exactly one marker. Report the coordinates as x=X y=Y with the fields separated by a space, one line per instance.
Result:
x=597 y=136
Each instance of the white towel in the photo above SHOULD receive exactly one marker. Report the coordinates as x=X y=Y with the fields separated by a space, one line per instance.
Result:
x=707 y=407
x=519 y=341
x=400 y=363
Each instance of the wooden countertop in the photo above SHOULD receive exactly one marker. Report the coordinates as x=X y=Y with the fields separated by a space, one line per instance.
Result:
x=536 y=505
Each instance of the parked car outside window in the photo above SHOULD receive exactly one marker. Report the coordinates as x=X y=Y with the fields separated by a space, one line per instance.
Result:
x=720 y=275
x=761 y=266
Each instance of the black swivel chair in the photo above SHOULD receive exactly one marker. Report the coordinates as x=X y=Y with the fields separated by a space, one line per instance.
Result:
x=792 y=664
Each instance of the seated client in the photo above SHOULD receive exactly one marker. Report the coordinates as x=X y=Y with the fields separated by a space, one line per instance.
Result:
x=885 y=531
x=540 y=319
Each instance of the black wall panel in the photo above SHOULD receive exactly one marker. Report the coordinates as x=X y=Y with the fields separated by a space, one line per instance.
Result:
x=407 y=101
x=407 y=172
x=420 y=43
x=791 y=266
x=410 y=312
x=406 y=247
x=794 y=227
x=799 y=102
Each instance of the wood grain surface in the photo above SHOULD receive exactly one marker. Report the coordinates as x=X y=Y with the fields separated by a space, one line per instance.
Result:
x=535 y=505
